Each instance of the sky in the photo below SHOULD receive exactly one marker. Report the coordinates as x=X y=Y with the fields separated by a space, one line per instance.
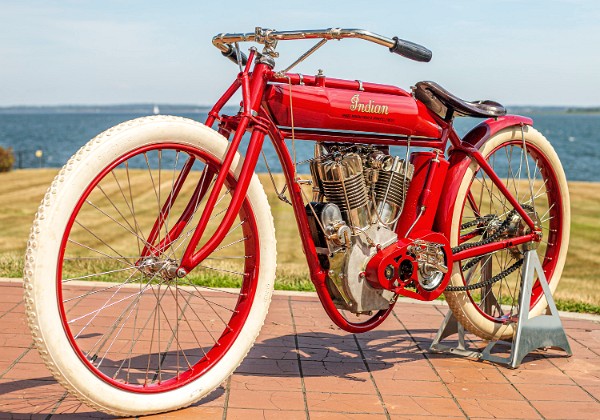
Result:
x=70 y=52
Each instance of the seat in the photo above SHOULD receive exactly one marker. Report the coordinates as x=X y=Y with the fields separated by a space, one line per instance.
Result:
x=440 y=101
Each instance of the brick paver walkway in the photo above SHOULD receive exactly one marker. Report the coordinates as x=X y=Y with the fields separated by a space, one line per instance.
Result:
x=304 y=367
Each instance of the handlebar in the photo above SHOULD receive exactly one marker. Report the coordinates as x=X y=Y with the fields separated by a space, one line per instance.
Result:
x=411 y=50
x=269 y=38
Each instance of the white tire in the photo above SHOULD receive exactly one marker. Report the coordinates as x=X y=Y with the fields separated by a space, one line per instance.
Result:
x=491 y=313
x=64 y=341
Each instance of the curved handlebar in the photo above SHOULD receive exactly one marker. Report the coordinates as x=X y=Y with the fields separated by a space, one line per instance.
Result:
x=269 y=37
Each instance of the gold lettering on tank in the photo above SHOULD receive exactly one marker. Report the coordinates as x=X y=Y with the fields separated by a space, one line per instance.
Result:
x=368 y=108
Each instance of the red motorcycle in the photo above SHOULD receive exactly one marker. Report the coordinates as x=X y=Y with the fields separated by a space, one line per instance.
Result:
x=151 y=261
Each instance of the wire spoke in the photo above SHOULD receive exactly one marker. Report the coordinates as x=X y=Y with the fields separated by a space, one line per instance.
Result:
x=144 y=326
x=99 y=239
x=139 y=238
x=210 y=303
x=527 y=175
x=222 y=270
x=95 y=291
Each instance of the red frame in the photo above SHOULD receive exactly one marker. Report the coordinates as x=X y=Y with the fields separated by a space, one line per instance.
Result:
x=256 y=117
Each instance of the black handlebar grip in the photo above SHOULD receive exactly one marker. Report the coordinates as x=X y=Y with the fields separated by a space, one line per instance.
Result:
x=232 y=55
x=411 y=50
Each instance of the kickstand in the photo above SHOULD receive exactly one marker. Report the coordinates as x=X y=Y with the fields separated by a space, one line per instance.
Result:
x=541 y=331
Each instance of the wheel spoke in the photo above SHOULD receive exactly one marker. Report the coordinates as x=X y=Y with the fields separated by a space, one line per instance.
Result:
x=145 y=329
x=527 y=173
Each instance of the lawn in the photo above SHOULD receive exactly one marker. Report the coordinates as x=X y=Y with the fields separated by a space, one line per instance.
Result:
x=579 y=289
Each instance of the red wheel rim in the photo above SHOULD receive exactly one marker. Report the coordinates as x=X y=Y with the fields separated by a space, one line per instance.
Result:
x=553 y=233
x=243 y=303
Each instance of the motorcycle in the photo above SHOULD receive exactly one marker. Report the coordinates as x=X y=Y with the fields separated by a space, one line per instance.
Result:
x=151 y=260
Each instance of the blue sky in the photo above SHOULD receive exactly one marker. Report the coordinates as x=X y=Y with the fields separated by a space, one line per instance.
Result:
x=109 y=52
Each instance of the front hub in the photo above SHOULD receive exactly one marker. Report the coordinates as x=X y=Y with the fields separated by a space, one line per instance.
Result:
x=154 y=268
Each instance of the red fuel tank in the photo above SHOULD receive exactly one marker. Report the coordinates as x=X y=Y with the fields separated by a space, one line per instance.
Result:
x=333 y=105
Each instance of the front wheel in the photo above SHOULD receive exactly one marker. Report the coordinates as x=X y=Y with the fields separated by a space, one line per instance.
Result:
x=111 y=319
x=529 y=167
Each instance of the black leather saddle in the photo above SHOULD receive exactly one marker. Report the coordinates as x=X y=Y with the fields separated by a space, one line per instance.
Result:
x=440 y=101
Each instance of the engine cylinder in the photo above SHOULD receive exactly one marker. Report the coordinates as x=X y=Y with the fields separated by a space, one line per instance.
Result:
x=348 y=193
x=390 y=189
x=343 y=184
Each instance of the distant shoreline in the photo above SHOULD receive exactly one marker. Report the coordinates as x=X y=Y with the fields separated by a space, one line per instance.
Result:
x=145 y=109
x=148 y=108
x=595 y=110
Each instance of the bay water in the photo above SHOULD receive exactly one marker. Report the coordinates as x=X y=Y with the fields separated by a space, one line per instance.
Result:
x=575 y=137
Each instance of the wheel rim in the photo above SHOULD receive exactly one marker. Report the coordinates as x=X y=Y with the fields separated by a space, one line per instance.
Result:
x=525 y=177
x=143 y=329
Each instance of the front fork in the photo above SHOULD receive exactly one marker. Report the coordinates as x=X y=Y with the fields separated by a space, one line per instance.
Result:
x=252 y=89
x=191 y=258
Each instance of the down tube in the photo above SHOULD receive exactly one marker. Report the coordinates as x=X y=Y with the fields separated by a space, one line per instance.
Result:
x=317 y=274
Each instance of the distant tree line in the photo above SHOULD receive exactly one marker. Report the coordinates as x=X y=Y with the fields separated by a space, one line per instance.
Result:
x=591 y=110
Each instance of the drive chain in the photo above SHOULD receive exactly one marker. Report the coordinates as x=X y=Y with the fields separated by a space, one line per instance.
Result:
x=488 y=282
x=485 y=220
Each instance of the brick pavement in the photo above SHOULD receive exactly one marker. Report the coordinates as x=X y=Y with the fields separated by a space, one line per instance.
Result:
x=304 y=367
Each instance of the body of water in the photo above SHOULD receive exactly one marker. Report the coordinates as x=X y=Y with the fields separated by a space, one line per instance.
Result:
x=59 y=135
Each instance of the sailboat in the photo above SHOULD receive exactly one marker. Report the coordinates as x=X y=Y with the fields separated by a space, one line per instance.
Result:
x=156 y=110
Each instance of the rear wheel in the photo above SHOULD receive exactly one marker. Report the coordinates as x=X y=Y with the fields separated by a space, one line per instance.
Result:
x=532 y=172
x=110 y=316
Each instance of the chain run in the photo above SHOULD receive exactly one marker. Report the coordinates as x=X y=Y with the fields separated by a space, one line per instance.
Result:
x=485 y=221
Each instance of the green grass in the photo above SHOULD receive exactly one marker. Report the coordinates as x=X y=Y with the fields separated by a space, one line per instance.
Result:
x=11 y=265
x=579 y=289
x=574 y=306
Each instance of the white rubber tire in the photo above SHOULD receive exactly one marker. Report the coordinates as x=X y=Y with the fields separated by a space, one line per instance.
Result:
x=461 y=305
x=42 y=255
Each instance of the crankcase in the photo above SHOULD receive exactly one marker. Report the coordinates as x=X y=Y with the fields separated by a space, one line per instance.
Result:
x=348 y=270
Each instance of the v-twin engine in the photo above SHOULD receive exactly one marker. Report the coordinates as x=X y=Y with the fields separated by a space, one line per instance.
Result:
x=359 y=193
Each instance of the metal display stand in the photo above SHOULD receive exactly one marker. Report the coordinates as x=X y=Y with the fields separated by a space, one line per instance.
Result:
x=538 y=332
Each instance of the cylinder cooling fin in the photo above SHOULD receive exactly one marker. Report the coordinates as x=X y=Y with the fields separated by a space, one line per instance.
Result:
x=365 y=182
x=390 y=187
x=343 y=184
x=347 y=194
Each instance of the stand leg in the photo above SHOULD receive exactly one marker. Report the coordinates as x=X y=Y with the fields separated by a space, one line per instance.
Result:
x=531 y=334
x=488 y=298
x=540 y=331
x=449 y=327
